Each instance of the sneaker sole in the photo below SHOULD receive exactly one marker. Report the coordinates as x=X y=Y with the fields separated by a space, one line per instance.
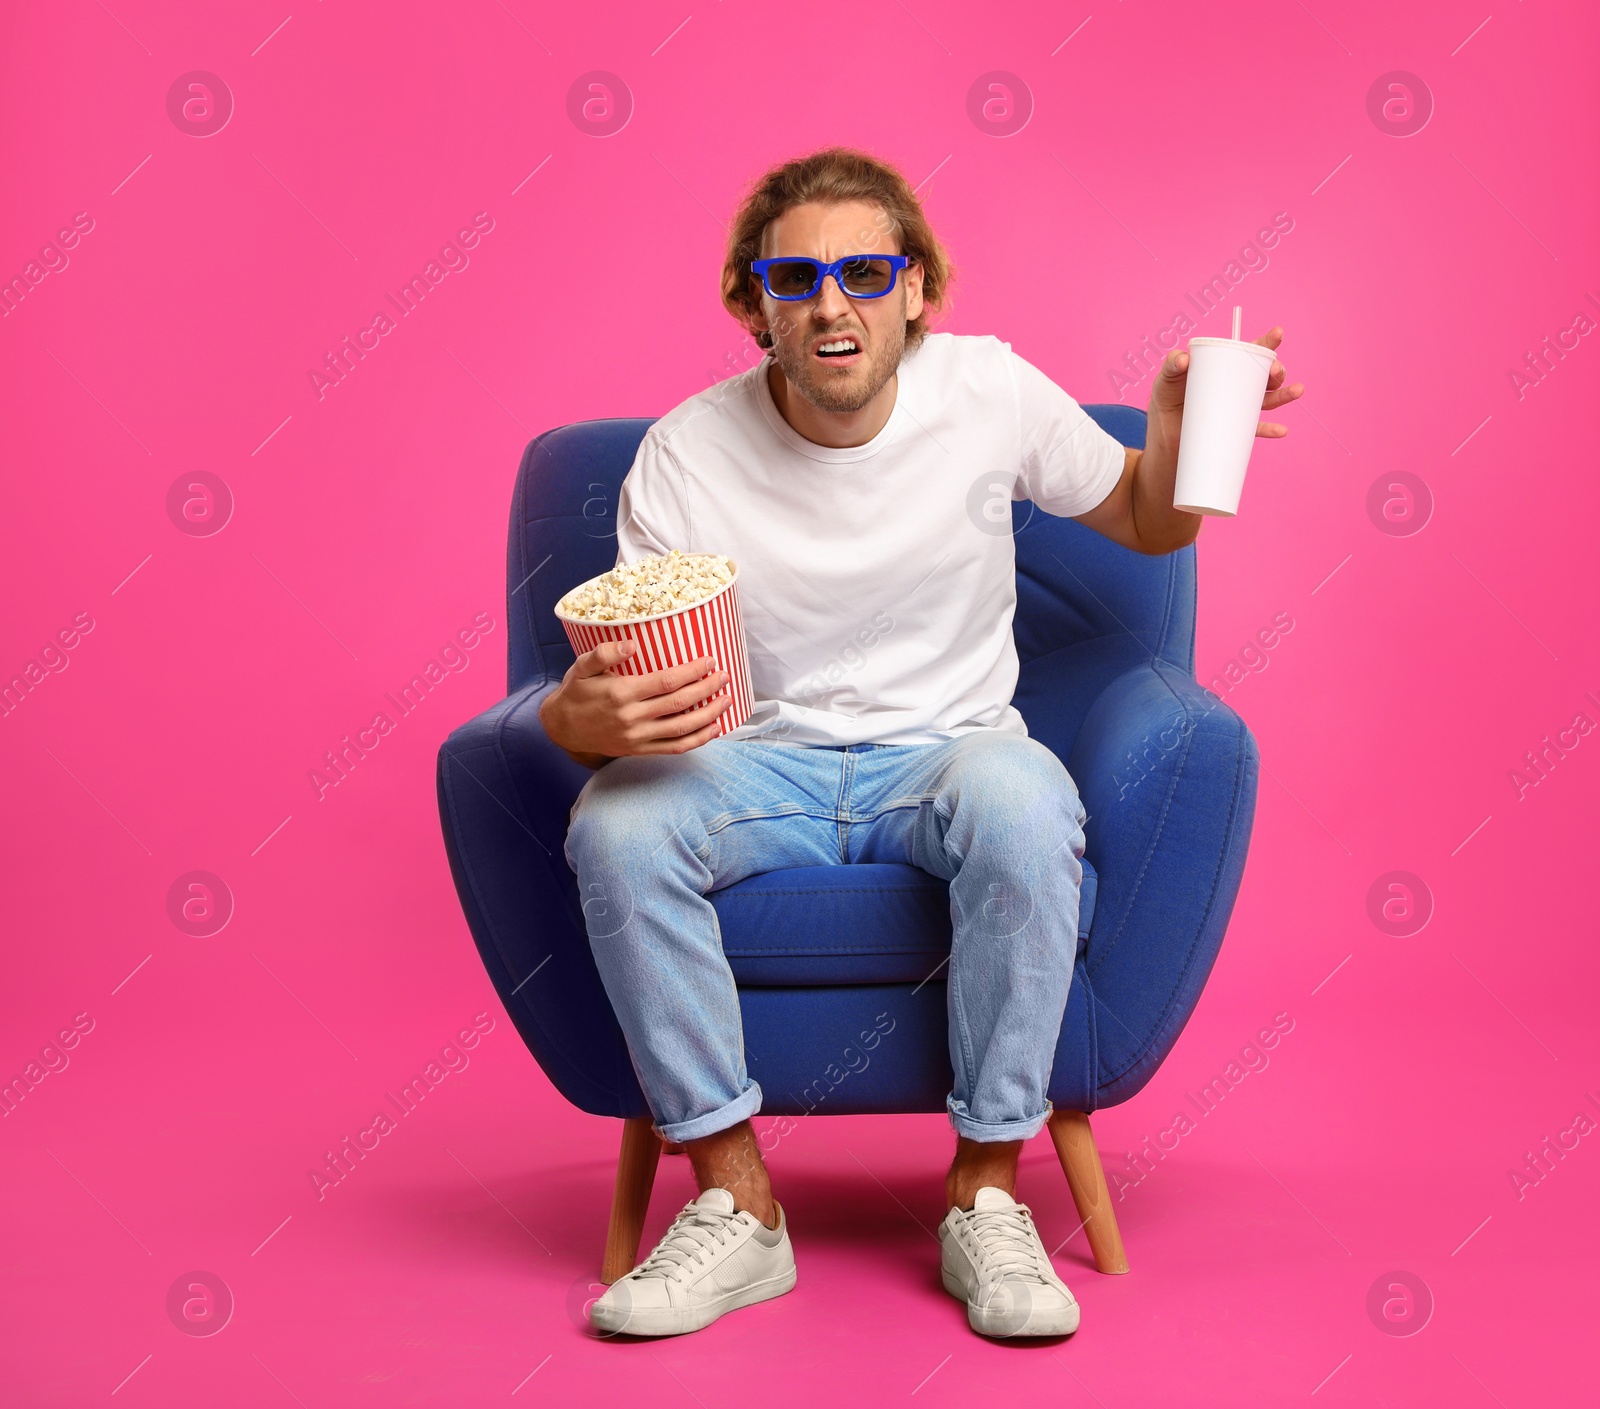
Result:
x=1059 y=1321
x=680 y=1320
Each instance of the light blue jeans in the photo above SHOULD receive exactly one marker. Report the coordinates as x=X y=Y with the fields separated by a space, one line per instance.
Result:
x=994 y=814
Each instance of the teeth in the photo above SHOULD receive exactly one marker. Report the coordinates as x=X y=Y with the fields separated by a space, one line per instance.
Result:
x=847 y=345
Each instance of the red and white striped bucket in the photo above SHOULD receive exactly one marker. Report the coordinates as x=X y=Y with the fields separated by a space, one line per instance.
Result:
x=712 y=628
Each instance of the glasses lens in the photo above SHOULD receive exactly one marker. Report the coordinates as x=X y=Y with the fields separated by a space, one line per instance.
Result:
x=791 y=278
x=867 y=278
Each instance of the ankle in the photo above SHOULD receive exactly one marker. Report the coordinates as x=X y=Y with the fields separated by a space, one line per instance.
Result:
x=760 y=1206
x=981 y=1165
x=964 y=1196
x=731 y=1160
x=769 y=1218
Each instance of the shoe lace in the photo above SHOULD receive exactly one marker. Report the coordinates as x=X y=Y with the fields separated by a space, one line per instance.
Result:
x=693 y=1233
x=1008 y=1242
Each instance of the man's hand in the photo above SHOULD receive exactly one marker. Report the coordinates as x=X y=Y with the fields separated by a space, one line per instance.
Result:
x=1139 y=513
x=595 y=716
x=1166 y=396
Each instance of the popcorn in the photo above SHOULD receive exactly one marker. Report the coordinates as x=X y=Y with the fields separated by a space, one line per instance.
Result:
x=652 y=586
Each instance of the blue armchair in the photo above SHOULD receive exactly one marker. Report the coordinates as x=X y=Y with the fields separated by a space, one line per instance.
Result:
x=840 y=968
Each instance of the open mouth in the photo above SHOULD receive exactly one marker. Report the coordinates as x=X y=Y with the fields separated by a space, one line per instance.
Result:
x=838 y=350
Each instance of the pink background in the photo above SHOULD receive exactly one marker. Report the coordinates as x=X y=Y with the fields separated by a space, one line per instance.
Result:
x=368 y=526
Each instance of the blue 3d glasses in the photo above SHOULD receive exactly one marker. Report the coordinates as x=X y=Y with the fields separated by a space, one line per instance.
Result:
x=794 y=277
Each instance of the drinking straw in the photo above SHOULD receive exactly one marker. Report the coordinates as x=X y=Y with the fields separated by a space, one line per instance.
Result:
x=1237 y=311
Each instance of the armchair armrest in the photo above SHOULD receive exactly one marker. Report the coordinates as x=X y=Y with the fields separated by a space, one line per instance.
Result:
x=1167 y=773
x=505 y=796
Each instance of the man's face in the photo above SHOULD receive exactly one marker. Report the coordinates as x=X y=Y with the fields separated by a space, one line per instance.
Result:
x=877 y=326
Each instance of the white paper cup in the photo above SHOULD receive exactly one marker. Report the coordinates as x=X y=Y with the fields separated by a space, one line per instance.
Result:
x=713 y=627
x=1221 y=410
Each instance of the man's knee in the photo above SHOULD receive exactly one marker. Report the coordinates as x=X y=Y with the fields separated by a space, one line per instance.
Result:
x=634 y=802
x=1013 y=775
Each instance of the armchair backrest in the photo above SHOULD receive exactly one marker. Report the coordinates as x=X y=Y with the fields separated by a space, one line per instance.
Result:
x=1087 y=609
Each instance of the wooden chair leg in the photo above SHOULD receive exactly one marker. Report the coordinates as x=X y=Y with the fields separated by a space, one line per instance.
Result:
x=1080 y=1161
x=636 y=1174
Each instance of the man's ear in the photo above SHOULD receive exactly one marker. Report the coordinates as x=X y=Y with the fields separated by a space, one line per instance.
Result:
x=758 y=319
x=912 y=275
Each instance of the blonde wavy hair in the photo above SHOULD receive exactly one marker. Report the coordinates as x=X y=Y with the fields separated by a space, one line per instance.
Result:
x=834 y=176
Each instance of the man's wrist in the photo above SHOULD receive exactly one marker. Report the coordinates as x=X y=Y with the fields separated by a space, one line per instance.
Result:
x=588 y=760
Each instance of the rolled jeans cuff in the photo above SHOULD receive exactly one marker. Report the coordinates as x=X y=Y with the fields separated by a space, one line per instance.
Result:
x=742 y=1107
x=984 y=1131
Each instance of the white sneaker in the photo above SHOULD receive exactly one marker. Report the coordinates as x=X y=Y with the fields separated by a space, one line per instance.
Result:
x=711 y=1260
x=992 y=1259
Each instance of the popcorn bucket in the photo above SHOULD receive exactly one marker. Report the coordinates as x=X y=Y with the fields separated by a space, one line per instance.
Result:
x=712 y=627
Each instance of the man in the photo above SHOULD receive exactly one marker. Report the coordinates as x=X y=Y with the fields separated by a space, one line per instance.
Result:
x=853 y=475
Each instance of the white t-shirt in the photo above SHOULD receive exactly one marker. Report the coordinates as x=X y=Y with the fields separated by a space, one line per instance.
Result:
x=878 y=582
